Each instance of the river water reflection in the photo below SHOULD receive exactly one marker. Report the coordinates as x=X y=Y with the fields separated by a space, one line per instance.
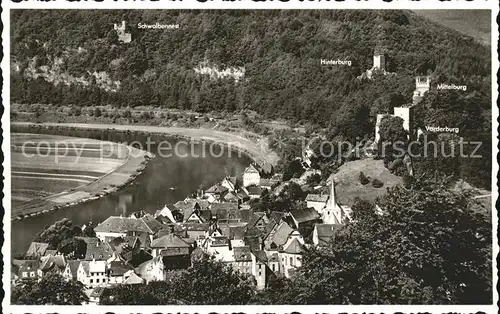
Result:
x=165 y=180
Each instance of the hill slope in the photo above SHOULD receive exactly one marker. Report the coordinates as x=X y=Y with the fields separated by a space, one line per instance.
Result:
x=265 y=60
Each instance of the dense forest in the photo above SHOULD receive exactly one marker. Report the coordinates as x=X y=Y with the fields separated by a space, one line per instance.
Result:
x=280 y=52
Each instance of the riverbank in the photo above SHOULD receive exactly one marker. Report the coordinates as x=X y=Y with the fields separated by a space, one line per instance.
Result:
x=258 y=150
x=47 y=183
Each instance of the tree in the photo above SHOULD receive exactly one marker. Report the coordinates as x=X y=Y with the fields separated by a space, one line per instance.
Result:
x=56 y=233
x=293 y=170
x=206 y=282
x=429 y=246
x=112 y=37
x=126 y=114
x=51 y=289
x=313 y=180
x=392 y=130
x=377 y=183
x=363 y=179
x=73 y=248
x=88 y=231
x=97 y=112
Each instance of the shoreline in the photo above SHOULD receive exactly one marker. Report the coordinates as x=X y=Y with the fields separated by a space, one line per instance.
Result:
x=132 y=167
x=258 y=152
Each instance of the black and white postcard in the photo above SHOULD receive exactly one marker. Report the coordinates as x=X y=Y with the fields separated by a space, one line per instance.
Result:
x=250 y=157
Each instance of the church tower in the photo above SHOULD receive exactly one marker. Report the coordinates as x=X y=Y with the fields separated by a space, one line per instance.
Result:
x=332 y=214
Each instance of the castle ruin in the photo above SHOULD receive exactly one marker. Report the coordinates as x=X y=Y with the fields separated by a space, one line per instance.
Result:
x=406 y=112
x=123 y=36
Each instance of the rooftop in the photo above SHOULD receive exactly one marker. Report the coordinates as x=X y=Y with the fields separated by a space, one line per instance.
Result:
x=251 y=169
x=323 y=198
x=305 y=215
x=169 y=241
x=294 y=247
x=37 y=249
x=242 y=254
x=146 y=224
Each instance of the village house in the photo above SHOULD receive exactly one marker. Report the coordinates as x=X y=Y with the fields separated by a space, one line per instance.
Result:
x=195 y=231
x=304 y=217
x=324 y=233
x=259 y=268
x=254 y=192
x=225 y=212
x=215 y=193
x=166 y=214
x=317 y=201
x=251 y=176
x=114 y=227
x=28 y=269
x=95 y=295
x=219 y=247
x=92 y=273
x=273 y=262
x=197 y=215
x=126 y=248
x=36 y=250
x=97 y=250
x=290 y=256
x=187 y=206
x=71 y=270
x=133 y=279
x=152 y=270
x=174 y=251
x=277 y=236
x=260 y=221
x=241 y=260
x=268 y=184
x=54 y=264
x=118 y=271
x=230 y=183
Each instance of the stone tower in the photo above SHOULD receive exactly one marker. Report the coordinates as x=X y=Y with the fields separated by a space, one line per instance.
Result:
x=406 y=113
x=378 y=61
x=422 y=85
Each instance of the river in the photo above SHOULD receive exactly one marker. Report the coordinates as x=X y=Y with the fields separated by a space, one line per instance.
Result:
x=193 y=167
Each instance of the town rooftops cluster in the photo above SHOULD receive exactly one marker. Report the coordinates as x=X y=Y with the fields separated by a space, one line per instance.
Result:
x=142 y=247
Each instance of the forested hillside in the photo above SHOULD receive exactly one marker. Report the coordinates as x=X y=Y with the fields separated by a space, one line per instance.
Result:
x=279 y=52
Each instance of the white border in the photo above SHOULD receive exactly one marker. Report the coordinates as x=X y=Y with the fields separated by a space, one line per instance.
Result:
x=243 y=4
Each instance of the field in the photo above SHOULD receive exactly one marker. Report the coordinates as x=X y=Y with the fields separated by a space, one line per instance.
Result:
x=347 y=182
x=50 y=170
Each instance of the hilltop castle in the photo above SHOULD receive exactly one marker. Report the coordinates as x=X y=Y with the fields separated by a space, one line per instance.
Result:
x=123 y=36
x=378 y=65
x=406 y=112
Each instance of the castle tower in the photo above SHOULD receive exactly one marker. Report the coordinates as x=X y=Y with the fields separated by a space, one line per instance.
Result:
x=379 y=61
x=123 y=36
x=422 y=85
x=406 y=113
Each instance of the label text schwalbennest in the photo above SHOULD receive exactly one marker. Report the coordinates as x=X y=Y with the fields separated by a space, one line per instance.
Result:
x=157 y=26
